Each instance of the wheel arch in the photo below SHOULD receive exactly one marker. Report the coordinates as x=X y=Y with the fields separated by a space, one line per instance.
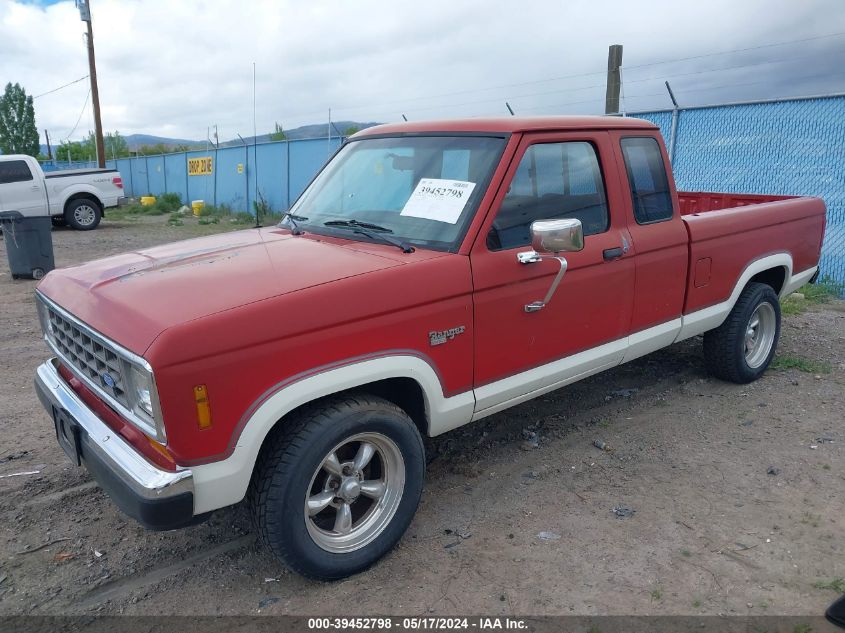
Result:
x=407 y=379
x=83 y=195
x=770 y=269
x=774 y=277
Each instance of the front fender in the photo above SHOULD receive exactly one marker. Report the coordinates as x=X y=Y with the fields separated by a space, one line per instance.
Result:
x=225 y=482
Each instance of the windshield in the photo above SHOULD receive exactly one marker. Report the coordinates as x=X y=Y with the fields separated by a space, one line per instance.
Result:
x=419 y=189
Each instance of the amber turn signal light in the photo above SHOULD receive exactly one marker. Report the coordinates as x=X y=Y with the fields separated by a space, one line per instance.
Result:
x=203 y=408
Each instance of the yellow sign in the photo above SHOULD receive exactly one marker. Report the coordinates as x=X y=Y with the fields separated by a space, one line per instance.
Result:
x=200 y=166
x=240 y=168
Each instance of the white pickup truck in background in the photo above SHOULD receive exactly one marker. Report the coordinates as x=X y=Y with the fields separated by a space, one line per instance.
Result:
x=76 y=197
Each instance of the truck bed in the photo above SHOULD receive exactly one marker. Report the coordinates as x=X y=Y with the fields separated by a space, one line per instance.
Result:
x=77 y=172
x=727 y=231
x=703 y=201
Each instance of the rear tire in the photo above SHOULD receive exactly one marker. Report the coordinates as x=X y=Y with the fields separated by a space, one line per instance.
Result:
x=315 y=508
x=83 y=214
x=742 y=347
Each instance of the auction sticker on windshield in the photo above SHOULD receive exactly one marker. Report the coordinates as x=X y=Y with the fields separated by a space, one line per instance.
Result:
x=439 y=200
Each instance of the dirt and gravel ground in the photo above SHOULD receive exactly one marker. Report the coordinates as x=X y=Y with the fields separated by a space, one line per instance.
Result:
x=731 y=497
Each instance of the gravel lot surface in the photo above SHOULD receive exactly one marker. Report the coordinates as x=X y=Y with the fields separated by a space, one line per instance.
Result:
x=714 y=498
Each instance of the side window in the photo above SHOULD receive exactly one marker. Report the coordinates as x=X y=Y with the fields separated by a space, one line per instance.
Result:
x=14 y=171
x=647 y=179
x=553 y=180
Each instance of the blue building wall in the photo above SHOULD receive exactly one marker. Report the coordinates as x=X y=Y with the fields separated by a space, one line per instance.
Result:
x=794 y=147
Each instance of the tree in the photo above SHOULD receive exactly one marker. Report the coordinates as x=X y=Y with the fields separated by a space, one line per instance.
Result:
x=18 y=134
x=115 y=145
x=76 y=150
x=351 y=130
x=155 y=149
x=278 y=134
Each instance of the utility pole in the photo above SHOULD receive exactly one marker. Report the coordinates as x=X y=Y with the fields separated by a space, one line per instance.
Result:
x=49 y=149
x=84 y=7
x=673 y=135
x=614 y=79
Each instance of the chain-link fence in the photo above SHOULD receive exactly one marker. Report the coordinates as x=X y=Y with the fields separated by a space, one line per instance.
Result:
x=789 y=147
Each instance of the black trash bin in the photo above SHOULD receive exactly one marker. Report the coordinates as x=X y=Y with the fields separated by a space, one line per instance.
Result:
x=29 y=244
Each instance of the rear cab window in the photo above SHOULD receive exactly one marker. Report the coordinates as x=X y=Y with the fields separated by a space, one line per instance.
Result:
x=14 y=171
x=552 y=181
x=647 y=179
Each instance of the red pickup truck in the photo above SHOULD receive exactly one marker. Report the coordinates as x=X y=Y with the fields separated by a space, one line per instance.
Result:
x=430 y=275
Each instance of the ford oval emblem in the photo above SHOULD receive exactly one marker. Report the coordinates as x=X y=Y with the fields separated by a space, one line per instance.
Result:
x=108 y=380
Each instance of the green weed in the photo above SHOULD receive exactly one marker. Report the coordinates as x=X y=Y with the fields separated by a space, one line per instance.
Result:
x=813 y=294
x=837 y=584
x=789 y=361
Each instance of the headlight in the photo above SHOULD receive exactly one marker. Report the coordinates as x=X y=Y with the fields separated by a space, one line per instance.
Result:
x=141 y=390
x=46 y=324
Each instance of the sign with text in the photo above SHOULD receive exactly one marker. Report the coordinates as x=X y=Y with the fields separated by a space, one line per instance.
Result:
x=200 y=166
x=439 y=200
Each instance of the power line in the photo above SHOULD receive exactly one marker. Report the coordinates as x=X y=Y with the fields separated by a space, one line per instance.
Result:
x=753 y=83
x=713 y=70
x=593 y=86
x=586 y=74
x=627 y=81
x=49 y=92
x=741 y=50
x=84 y=105
x=680 y=92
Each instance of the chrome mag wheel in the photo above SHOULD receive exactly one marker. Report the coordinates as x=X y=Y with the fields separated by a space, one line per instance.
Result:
x=355 y=492
x=760 y=335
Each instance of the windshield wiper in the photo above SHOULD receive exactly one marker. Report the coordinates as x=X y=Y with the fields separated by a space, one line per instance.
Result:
x=291 y=219
x=361 y=228
x=363 y=225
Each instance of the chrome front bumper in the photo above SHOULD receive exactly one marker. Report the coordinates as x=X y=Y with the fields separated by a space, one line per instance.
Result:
x=157 y=498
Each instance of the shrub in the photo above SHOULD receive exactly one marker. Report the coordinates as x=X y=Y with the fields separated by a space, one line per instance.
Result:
x=167 y=202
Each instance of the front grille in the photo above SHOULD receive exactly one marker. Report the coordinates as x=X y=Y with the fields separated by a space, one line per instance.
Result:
x=92 y=357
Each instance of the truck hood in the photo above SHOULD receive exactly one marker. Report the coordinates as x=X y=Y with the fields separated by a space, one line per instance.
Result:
x=133 y=297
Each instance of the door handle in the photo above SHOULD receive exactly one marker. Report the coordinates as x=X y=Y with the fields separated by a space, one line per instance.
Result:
x=612 y=253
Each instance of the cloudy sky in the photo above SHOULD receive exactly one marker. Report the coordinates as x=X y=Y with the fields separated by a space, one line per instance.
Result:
x=174 y=67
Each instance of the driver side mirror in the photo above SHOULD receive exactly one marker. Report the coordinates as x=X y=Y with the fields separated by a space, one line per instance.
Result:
x=552 y=237
x=555 y=236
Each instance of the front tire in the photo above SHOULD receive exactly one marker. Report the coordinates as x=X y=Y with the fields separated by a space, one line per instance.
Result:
x=336 y=487
x=742 y=347
x=83 y=214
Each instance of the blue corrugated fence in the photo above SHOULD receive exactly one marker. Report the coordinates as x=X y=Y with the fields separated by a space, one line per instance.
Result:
x=236 y=179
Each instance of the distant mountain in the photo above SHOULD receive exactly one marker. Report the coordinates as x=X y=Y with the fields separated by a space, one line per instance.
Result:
x=316 y=130
x=134 y=141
